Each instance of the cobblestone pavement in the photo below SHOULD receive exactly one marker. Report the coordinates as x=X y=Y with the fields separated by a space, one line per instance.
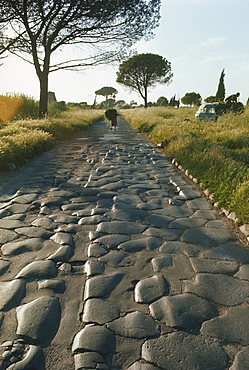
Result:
x=111 y=260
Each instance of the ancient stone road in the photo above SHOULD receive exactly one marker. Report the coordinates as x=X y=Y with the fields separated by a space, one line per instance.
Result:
x=111 y=260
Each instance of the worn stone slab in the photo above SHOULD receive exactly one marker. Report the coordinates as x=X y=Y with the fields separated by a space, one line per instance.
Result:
x=7 y=236
x=158 y=221
x=62 y=238
x=198 y=204
x=243 y=272
x=172 y=247
x=63 y=254
x=179 y=351
x=22 y=246
x=99 y=311
x=94 y=338
x=171 y=234
x=228 y=291
x=113 y=258
x=149 y=289
x=186 y=223
x=134 y=325
x=126 y=214
x=38 y=270
x=175 y=211
x=39 y=320
x=233 y=327
x=89 y=360
x=241 y=360
x=44 y=222
x=57 y=286
x=236 y=251
x=112 y=241
x=205 y=214
x=120 y=227
x=92 y=268
x=214 y=266
x=4 y=265
x=136 y=245
x=63 y=218
x=159 y=263
x=11 y=294
x=10 y=224
x=102 y=286
x=25 y=198
x=130 y=199
x=141 y=366
x=207 y=237
x=34 y=232
x=92 y=220
x=184 y=310
x=96 y=250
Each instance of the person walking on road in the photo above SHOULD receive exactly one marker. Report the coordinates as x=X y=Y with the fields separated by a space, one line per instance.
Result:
x=111 y=114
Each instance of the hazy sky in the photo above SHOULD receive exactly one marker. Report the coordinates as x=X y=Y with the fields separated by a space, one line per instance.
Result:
x=198 y=37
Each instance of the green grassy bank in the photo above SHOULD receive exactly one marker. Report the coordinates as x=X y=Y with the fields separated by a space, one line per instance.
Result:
x=22 y=140
x=216 y=153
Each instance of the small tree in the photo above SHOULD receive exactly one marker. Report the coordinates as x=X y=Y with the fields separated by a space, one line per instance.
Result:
x=108 y=93
x=210 y=99
x=191 y=99
x=143 y=71
x=221 y=91
x=162 y=102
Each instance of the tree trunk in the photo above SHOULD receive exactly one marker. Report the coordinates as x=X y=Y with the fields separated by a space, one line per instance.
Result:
x=43 y=103
x=145 y=97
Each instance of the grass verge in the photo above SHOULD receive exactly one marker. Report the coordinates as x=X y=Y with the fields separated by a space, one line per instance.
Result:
x=22 y=140
x=216 y=153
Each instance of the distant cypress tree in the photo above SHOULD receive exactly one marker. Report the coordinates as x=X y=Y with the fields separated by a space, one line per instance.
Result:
x=221 y=92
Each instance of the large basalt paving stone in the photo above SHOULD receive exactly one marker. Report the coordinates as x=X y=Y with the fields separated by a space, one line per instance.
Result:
x=39 y=320
x=181 y=351
x=63 y=254
x=175 y=211
x=158 y=221
x=219 y=288
x=141 y=366
x=96 y=250
x=172 y=247
x=44 y=222
x=113 y=258
x=140 y=244
x=22 y=246
x=186 y=223
x=130 y=199
x=92 y=268
x=159 y=263
x=241 y=360
x=243 y=272
x=92 y=220
x=38 y=270
x=25 y=198
x=112 y=241
x=134 y=325
x=57 y=286
x=198 y=204
x=8 y=223
x=232 y=251
x=11 y=294
x=34 y=232
x=184 y=310
x=214 y=266
x=62 y=238
x=120 y=227
x=149 y=289
x=207 y=237
x=230 y=328
x=4 y=265
x=102 y=286
x=63 y=218
x=94 y=338
x=89 y=360
x=171 y=234
x=204 y=214
x=7 y=236
x=99 y=311
x=126 y=214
